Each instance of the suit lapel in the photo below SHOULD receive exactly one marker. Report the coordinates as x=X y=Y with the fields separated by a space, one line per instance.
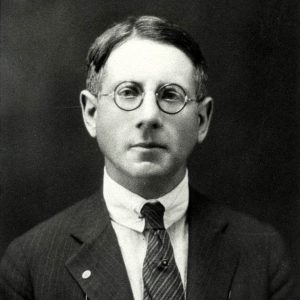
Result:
x=99 y=254
x=212 y=261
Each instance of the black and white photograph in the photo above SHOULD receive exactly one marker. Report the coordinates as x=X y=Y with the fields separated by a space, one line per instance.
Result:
x=149 y=150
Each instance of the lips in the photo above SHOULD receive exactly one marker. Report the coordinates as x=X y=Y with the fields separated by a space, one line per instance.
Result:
x=148 y=145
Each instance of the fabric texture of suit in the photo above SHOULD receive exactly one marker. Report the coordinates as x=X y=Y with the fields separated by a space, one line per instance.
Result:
x=231 y=256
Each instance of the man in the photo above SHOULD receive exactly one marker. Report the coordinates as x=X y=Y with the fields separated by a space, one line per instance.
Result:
x=146 y=234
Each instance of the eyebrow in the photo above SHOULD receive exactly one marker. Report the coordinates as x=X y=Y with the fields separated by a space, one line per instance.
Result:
x=161 y=83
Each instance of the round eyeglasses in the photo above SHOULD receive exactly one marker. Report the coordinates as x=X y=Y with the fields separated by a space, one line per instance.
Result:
x=171 y=98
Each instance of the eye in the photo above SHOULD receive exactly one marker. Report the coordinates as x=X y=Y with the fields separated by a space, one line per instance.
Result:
x=172 y=94
x=128 y=90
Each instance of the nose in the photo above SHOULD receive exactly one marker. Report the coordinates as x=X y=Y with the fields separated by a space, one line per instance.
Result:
x=149 y=115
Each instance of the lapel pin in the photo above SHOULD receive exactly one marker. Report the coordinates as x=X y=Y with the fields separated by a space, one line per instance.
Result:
x=86 y=274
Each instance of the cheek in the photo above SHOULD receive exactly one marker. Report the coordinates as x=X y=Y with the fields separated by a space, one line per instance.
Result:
x=188 y=143
x=110 y=132
x=187 y=132
x=105 y=132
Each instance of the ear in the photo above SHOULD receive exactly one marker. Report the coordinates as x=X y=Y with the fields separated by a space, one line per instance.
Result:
x=205 y=110
x=88 y=104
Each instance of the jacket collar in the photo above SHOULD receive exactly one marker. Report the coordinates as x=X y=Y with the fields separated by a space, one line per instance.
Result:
x=90 y=218
x=211 y=262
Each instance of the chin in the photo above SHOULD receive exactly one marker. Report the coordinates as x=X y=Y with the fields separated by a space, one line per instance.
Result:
x=148 y=170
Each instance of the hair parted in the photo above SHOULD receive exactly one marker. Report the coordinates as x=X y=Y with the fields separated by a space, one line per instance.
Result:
x=147 y=27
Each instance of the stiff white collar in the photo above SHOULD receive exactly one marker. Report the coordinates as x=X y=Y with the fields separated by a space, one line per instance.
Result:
x=124 y=206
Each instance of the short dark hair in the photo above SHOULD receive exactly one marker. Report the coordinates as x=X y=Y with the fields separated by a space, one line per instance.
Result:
x=148 y=27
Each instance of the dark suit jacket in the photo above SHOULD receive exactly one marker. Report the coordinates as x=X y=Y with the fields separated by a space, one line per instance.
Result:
x=230 y=256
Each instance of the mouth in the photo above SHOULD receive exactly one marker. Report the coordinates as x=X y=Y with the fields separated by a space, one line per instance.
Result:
x=148 y=145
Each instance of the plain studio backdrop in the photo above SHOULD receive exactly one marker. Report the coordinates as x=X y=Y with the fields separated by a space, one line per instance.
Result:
x=249 y=160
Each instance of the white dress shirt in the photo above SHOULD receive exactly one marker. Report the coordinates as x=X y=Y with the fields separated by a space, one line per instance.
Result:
x=124 y=208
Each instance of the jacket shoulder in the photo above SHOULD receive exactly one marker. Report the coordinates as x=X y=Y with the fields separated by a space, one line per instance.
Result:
x=63 y=220
x=238 y=222
x=246 y=233
x=53 y=231
x=264 y=259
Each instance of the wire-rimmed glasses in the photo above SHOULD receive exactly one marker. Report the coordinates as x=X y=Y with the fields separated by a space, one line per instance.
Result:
x=171 y=98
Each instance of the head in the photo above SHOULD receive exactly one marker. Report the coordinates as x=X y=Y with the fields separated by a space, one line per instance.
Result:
x=146 y=146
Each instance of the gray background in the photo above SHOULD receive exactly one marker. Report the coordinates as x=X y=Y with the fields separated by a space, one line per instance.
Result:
x=249 y=160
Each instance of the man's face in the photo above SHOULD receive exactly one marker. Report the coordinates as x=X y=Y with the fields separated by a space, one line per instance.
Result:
x=146 y=142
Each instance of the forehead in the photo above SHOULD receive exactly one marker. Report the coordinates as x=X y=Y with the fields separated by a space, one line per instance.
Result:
x=145 y=61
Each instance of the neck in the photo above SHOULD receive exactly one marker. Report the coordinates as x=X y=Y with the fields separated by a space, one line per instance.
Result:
x=149 y=188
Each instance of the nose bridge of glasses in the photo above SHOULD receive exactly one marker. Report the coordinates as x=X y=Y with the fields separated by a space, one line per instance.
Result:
x=149 y=114
x=149 y=99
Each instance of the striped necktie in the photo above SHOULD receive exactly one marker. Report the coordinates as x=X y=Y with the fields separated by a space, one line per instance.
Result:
x=161 y=276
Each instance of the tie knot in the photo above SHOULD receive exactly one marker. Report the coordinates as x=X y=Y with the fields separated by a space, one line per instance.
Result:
x=154 y=215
